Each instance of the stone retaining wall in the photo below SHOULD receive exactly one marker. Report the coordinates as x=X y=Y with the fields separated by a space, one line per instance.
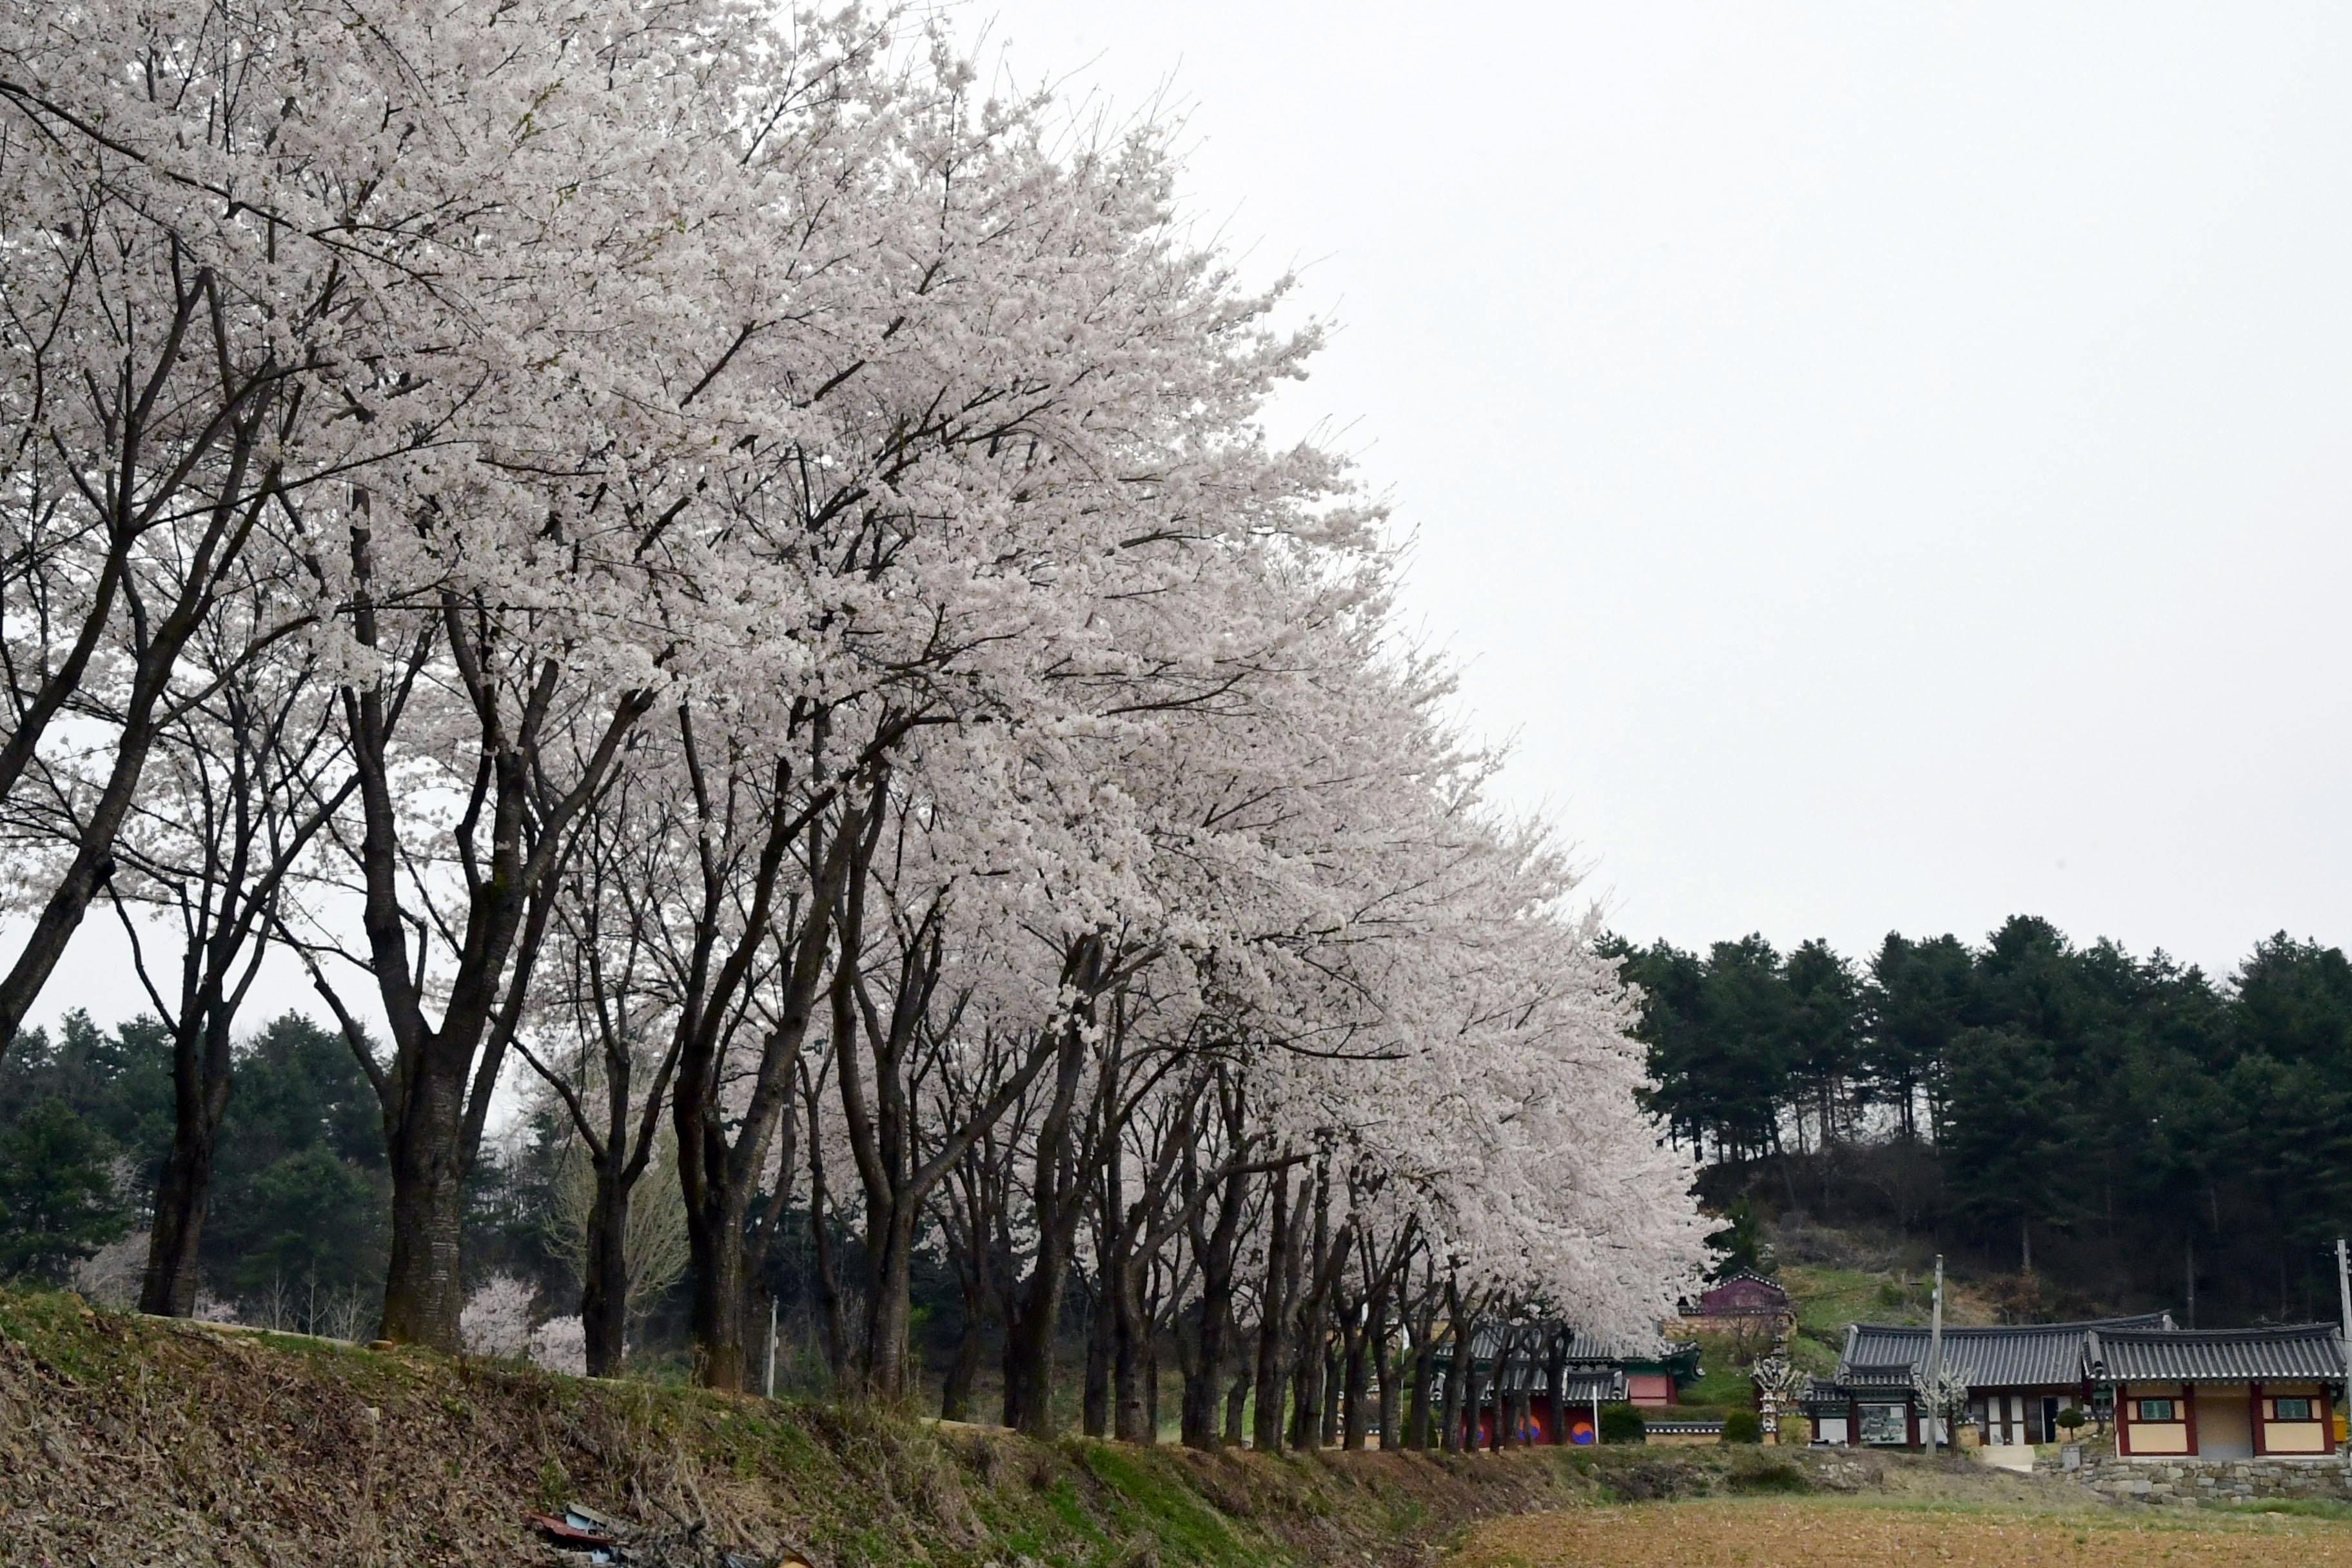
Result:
x=2194 y=1481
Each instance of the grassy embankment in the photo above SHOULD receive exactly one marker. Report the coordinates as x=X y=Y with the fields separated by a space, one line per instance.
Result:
x=129 y=1439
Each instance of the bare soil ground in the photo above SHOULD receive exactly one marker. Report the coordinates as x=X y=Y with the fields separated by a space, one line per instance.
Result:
x=1854 y=1531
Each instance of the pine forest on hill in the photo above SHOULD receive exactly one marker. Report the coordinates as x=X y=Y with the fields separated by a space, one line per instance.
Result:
x=2082 y=1129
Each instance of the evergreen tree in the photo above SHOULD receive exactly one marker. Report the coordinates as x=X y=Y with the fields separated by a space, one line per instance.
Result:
x=58 y=1198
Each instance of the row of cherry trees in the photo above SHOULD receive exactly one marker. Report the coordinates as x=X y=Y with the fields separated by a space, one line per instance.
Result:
x=709 y=555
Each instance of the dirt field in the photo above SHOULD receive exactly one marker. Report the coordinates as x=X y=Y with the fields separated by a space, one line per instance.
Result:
x=1838 y=1532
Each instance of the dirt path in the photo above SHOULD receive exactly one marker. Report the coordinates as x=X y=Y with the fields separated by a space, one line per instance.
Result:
x=1863 y=1534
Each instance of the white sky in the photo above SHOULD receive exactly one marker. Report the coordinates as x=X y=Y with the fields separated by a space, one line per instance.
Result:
x=1885 y=463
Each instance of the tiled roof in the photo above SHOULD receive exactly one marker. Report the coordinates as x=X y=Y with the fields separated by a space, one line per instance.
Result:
x=2016 y=1355
x=1746 y=1293
x=1584 y=1387
x=2300 y=1350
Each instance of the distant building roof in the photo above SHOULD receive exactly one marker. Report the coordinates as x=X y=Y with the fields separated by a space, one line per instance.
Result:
x=2298 y=1350
x=1605 y=1385
x=2012 y=1355
x=1745 y=1294
x=1825 y=1391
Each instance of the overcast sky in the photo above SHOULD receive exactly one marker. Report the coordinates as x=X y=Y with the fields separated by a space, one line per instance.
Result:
x=1886 y=465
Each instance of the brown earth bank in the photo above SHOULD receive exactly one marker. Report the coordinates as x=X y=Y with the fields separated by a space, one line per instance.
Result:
x=133 y=1440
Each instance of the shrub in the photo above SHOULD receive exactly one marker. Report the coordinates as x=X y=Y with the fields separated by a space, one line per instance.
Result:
x=1622 y=1423
x=1743 y=1426
x=2071 y=1419
x=1769 y=1475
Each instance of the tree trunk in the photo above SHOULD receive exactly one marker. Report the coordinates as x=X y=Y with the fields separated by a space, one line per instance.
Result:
x=1094 y=1405
x=1356 y=1417
x=1274 y=1313
x=828 y=1275
x=891 y=1312
x=1384 y=1361
x=1463 y=1395
x=1029 y=1346
x=605 y=1274
x=1214 y=1320
x=424 y=1291
x=1334 y=1363
x=955 y=1392
x=1236 y=1406
x=715 y=1244
x=1029 y=1339
x=1150 y=1390
x=1307 y=1393
x=200 y=1094
x=1417 y=1434
x=1130 y=1362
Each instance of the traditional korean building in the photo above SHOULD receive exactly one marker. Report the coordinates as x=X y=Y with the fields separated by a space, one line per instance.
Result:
x=2021 y=1377
x=2219 y=1394
x=1539 y=1383
x=1745 y=1302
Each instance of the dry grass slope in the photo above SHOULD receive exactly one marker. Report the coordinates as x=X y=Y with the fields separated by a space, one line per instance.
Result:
x=133 y=1440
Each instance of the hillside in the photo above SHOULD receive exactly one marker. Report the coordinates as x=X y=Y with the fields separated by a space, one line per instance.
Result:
x=1837 y=1277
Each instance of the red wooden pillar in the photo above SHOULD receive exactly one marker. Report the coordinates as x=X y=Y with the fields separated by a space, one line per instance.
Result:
x=2189 y=1402
x=2123 y=1421
x=2254 y=1414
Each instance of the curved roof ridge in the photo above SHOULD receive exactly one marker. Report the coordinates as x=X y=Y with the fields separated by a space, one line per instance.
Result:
x=2265 y=1331
x=2136 y=1321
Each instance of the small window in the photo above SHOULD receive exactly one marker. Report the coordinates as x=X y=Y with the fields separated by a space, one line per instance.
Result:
x=2291 y=1410
x=2152 y=1410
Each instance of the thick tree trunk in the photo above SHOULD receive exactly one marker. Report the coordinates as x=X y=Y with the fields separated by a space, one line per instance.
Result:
x=1236 y=1406
x=828 y=1277
x=1307 y=1390
x=890 y=1314
x=1095 y=1413
x=605 y=1274
x=1214 y=1318
x=955 y=1390
x=1029 y=1339
x=715 y=1244
x=1206 y=1378
x=1462 y=1394
x=1417 y=1433
x=424 y=1293
x=1274 y=1313
x=1131 y=1366
x=169 y=1286
x=200 y=1095
x=1029 y=1344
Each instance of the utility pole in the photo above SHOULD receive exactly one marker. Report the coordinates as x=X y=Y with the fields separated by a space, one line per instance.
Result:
x=2344 y=1333
x=1936 y=1357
